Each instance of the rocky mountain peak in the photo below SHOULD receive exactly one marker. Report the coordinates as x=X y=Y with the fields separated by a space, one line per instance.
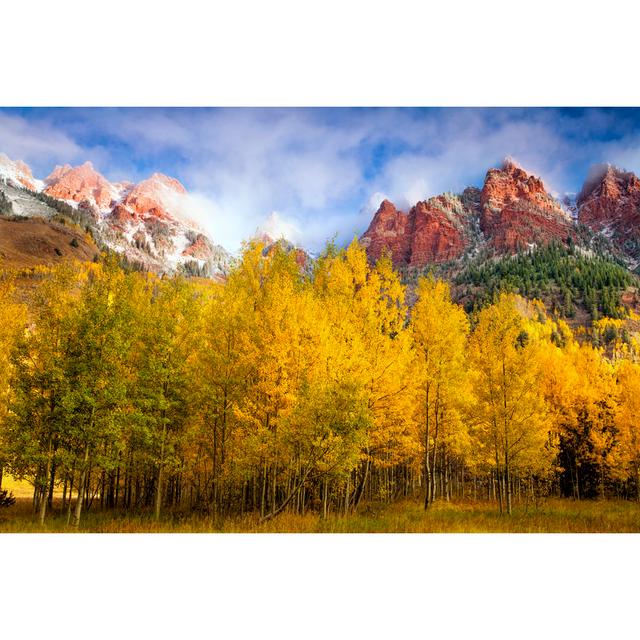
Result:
x=517 y=211
x=513 y=211
x=17 y=173
x=609 y=202
x=81 y=184
x=148 y=222
x=433 y=231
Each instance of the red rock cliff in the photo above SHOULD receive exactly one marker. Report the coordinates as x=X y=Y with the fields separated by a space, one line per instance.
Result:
x=389 y=234
x=517 y=211
x=610 y=202
x=433 y=231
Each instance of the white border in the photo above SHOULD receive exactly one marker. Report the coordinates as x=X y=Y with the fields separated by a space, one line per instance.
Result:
x=319 y=586
x=335 y=52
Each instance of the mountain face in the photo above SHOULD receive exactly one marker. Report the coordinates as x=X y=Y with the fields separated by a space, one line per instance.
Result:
x=512 y=212
x=517 y=212
x=436 y=230
x=149 y=224
x=82 y=184
x=585 y=248
x=146 y=222
x=609 y=203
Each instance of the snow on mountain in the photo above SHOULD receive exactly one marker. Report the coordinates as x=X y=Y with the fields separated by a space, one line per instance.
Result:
x=153 y=223
x=18 y=174
x=148 y=222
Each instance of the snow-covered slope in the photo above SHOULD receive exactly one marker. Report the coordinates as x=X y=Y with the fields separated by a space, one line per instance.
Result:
x=18 y=174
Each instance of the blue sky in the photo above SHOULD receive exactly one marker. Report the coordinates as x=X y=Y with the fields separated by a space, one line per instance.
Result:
x=315 y=173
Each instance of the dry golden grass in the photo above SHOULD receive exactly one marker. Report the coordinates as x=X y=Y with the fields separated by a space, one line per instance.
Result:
x=30 y=242
x=19 y=488
x=553 y=516
x=22 y=488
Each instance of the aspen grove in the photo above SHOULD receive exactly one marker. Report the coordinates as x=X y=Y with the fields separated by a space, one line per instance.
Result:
x=292 y=389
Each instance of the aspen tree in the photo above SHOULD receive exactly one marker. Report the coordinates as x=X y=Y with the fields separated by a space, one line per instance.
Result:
x=96 y=370
x=12 y=325
x=440 y=331
x=512 y=417
x=165 y=374
x=39 y=416
x=628 y=422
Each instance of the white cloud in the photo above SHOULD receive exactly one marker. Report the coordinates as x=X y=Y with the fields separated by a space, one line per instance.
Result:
x=276 y=228
x=221 y=225
x=36 y=143
x=372 y=204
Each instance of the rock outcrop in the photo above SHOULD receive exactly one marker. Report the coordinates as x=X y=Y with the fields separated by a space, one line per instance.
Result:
x=200 y=248
x=433 y=231
x=82 y=184
x=389 y=234
x=156 y=195
x=517 y=212
x=17 y=173
x=609 y=203
x=441 y=230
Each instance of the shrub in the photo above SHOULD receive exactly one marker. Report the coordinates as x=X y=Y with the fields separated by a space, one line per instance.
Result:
x=6 y=498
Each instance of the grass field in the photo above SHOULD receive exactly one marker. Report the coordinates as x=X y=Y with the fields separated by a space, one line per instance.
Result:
x=21 y=488
x=552 y=516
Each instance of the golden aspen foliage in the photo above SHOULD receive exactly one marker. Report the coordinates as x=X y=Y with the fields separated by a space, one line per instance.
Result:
x=37 y=412
x=439 y=330
x=368 y=314
x=12 y=327
x=298 y=388
x=584 y=408
x=510 y=415
x=627 y=459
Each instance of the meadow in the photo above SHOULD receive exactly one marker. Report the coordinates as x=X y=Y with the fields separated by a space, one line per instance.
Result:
x=553 y=515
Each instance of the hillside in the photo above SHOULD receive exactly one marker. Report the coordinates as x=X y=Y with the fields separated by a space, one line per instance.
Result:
x=572 y=283
x=29 y=242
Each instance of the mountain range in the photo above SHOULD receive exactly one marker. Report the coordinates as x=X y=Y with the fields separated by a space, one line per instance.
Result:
x=512 y=213
x=148 y=223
